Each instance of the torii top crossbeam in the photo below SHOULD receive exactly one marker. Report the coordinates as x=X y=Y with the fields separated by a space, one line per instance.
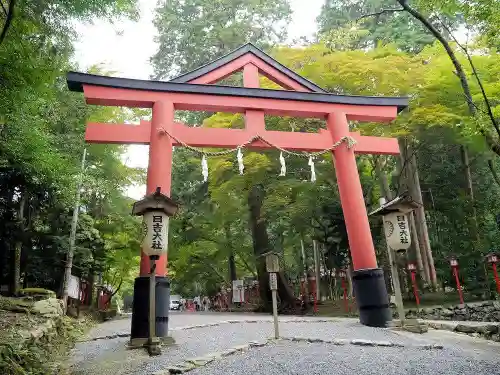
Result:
x=196 y=91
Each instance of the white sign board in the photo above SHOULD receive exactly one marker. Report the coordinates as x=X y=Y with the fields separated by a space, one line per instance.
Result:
x=397 y=231
x=74 y=287
x=156 y=233
x=273 y=281
x=272 y=263
x=238 y=291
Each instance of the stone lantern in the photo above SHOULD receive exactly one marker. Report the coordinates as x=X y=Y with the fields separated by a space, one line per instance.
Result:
x=150 y=315
x=398 y=239
x=273 y=267
x=394 y=214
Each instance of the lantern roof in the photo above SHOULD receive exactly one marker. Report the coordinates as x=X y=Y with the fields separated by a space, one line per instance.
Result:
x=155 y=202
x=492 y=254
x=403 y=203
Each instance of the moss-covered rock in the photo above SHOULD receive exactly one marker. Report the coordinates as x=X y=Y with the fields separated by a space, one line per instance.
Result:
x=38 y=349
x=51 y=307
x=37 y=293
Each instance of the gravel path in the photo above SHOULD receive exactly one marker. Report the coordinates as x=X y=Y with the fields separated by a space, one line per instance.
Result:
x=319 y=359
x=110 y=356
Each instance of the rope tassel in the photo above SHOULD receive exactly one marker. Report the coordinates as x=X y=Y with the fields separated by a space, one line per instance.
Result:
x=313 y=171
x=204 y=168
x=283 y=165
x=239 y=156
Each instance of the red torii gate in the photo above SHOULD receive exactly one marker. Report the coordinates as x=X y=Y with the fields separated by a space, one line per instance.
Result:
x=302 y=98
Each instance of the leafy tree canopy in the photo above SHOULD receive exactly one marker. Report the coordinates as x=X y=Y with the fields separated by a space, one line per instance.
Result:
x=195 y=32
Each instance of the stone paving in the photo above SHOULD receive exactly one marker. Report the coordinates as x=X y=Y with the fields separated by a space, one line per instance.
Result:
x=208 y=343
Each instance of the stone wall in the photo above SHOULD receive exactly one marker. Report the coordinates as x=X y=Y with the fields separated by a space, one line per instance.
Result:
x=33 y=334
x=487 y=311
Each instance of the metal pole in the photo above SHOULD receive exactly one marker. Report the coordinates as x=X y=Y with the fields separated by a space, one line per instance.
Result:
x=153 y=342
x=397 y=285
x=72 y=237
x=152 y=297
x=275 y=314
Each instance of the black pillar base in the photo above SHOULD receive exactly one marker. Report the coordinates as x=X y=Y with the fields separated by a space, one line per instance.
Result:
x=371 y=297
x=140 y=307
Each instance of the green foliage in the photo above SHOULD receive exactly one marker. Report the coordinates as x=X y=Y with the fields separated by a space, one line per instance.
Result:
x=379 y=28
x=480 y=16
x=41 y=143
x=387 y=53
x=195 y=32
x=296 y=209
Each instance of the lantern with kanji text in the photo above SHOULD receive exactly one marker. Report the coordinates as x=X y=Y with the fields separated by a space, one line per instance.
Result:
x=156 y=209
x=396 y=225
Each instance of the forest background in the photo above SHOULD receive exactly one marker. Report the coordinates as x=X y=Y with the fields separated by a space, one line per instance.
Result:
x=443 y=54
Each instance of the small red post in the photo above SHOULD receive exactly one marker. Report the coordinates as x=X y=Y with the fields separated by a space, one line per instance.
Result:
x=495 y=275
x=312 y=290
x=412 y=267
x=454 y=266
x=493 y=259
x=459 y=288
x=415 y=288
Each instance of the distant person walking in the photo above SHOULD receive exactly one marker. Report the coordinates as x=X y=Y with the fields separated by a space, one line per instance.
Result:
x=205 y=303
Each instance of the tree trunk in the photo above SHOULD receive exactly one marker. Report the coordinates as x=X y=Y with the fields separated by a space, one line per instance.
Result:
x=388 y=195
x=90 y=289
x=410 y=182
x=72 y=237
x=8 y=18
x=350 y=271
x=473 y=226
x=424 y=271
x=304 y=263
x=18 y=247
x=232 y=267
x=317 y=270
x=261 y=245
x=422 y=222
x=231 y=261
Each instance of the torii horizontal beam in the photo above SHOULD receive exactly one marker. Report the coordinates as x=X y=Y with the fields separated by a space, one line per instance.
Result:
x=110 y=96
x=231 y=138
x=125 y=92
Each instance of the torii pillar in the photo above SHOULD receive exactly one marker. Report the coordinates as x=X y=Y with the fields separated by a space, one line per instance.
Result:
x=159 y=175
